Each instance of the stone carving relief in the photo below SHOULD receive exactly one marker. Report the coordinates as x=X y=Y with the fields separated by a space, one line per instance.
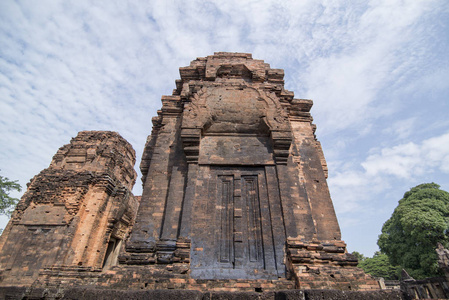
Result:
x=234 y=109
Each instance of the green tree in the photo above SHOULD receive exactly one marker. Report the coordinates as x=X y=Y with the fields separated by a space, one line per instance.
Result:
x=359 y=256
x=8 y=203
x=418 y=223
x=379 y=266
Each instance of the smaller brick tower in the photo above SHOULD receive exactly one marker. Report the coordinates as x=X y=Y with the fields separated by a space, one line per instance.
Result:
x=75 y=213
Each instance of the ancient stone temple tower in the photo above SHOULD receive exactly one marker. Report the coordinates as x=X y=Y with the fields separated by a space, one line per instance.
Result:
x=233 y=166
x=75 y=214
x=234 y=197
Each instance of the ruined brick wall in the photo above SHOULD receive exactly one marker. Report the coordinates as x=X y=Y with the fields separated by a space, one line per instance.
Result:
x=235 y=181
x=74 y=213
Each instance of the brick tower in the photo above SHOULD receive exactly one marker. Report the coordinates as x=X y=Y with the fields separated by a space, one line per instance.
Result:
x=234 y=175
x=75 y=214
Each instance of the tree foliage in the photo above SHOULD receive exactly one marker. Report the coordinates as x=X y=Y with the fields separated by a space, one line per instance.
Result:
x=8 y=203
x=360 y=256
x=418 y=223
x=379 y=266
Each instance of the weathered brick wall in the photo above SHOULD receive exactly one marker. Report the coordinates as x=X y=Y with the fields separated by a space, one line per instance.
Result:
x=73 y=210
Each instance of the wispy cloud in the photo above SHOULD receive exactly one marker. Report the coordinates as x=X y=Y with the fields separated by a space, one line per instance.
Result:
x=407 y=162
x=410 y=160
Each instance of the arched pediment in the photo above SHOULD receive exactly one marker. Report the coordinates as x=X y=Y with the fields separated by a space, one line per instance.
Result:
x=234 y=110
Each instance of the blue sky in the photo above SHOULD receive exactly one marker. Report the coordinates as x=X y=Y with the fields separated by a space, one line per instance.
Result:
x=378 y=72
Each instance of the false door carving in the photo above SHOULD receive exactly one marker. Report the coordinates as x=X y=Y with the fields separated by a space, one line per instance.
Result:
x=243 y=235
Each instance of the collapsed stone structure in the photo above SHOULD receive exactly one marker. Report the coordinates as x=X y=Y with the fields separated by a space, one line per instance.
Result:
x=234 y=197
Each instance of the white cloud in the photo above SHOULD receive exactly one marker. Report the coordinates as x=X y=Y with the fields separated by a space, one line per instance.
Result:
x=402 y=129
x=368 y=57
x=352 y=186
x=410 y=160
